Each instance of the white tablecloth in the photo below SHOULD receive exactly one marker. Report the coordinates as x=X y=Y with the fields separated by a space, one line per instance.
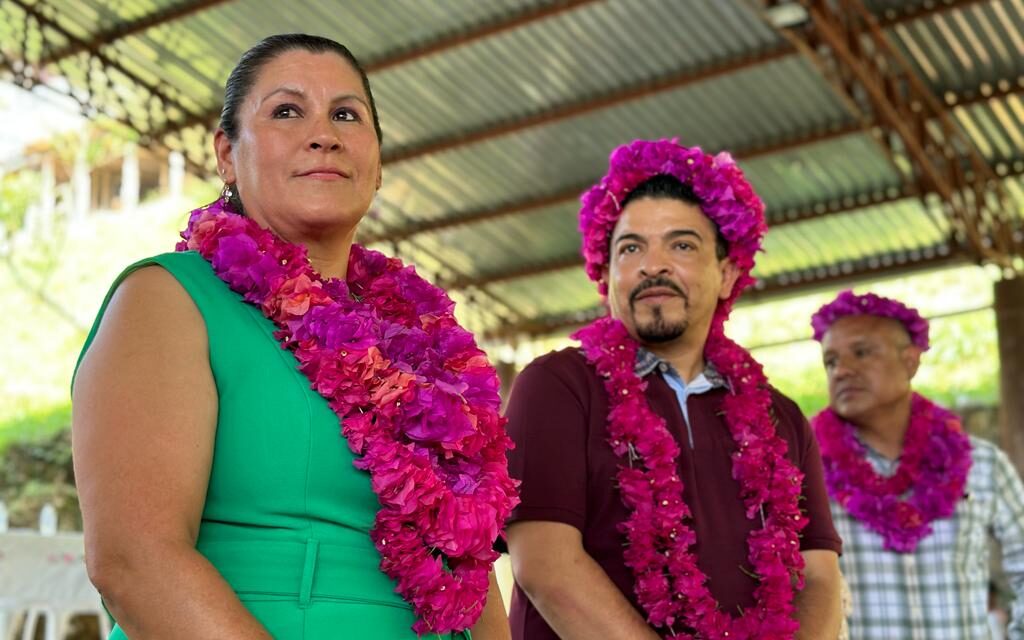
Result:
x=44 y=570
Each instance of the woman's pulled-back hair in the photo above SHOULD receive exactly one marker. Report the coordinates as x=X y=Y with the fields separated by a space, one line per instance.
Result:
x=243 y=76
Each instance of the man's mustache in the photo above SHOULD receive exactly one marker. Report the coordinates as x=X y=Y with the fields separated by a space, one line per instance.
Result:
x=659 y=281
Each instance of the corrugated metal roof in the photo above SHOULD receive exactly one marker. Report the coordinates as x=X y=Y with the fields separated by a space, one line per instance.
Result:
x=902 y=226
x=549 y=293
x=544 y=235
x=996 y=127
x=960 y=50
x=825 y=173
x=746 y=109
x=496 y=105
x=587 y=52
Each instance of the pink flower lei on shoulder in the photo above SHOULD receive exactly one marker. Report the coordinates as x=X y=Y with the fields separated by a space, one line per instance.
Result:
x=417 y=400
x=668 y=582
x=936 y=456
x=932 y=469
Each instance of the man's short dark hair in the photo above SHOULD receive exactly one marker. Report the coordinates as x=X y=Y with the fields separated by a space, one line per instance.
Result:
x=671 y=188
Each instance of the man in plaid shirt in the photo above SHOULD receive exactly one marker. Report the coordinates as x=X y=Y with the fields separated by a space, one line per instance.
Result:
x=914 y=571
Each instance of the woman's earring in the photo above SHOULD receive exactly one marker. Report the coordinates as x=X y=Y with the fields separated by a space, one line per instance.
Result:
x=226 y=194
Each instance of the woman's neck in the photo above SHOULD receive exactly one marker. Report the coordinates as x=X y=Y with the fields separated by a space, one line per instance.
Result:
x=328 y=247
x=330 y=259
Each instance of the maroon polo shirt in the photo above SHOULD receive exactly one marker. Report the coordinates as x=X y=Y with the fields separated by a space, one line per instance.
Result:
x=558 y=419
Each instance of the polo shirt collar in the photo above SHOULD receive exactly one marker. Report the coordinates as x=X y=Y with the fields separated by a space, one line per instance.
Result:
x=647 y=363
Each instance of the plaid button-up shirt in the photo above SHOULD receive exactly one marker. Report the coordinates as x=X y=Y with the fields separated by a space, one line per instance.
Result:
x=939 y=592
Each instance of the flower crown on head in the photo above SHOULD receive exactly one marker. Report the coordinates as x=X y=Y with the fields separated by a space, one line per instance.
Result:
x=726 y=198
x=847 y=303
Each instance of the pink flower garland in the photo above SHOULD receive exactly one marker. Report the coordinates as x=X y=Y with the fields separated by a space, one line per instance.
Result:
x=934 y=465
x=847 y=303
x=668 y=581
x=726 y=198
x=417 y=400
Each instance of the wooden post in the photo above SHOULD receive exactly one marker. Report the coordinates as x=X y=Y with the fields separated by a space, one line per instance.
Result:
x=506 y=374
x=1009 y=308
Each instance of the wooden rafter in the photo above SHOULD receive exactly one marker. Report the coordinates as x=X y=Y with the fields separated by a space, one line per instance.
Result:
x=511 y=20
x=507 y=22
x=526 y=205
x=869 y=70
x=569 y=109
x=572 y=193
x=574 y=261
x=26 y=74
x=571 y=261
x=647 y=88
x=840 y=206
x=50 y=23
x=105 y=60
x=578 y=107
x=125 y=29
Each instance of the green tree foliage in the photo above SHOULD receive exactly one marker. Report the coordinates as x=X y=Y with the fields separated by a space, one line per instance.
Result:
x=36 y=472
x=961 y=369
x=18 y=191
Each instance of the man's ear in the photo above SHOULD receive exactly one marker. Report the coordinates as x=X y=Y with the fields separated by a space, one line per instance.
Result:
x=911 y=358
x=730 y=274
x=225 y=161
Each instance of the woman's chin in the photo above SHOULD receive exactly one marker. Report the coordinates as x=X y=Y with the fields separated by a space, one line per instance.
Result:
x=328 y=215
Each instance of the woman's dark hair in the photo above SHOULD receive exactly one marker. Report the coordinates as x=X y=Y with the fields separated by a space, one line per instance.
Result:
x=243 y=76
x=671 y=188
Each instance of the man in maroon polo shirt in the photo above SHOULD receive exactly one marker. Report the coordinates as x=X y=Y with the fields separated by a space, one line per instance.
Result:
x=666 y=487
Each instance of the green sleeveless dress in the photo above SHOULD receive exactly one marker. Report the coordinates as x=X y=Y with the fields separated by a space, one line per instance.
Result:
x=287 y=516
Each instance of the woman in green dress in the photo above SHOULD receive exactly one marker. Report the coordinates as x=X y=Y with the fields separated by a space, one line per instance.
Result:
x=277 y=433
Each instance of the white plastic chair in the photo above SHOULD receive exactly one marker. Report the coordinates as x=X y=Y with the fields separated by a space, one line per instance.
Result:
x=57 y=622
x=34 y=617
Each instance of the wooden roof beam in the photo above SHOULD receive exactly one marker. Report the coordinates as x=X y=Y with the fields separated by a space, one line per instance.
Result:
x=578 y=107
x=571 y=261
x=126 y=29
x=46 y=21
x=556 y=112
x=902 y=104
x=508 y=22
x=572 y=193
x=645 y=88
